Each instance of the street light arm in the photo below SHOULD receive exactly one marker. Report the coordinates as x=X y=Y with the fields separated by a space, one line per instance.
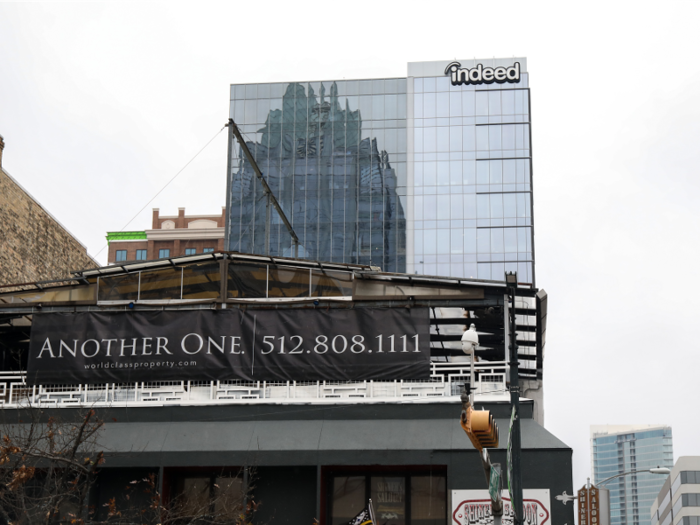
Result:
x=657 y=470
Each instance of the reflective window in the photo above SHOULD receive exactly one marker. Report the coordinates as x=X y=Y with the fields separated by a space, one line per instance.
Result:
x=336 y=155
x=121 y=255
x=691 y=500
x=141 y=255
x=345 y=207
x=690 y=476
x=163 y=254
x=190 y=251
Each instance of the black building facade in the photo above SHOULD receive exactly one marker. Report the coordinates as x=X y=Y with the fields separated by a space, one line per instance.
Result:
x=308 y=449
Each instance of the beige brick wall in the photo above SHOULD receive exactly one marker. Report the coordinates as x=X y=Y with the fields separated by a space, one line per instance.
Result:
x=33 y=245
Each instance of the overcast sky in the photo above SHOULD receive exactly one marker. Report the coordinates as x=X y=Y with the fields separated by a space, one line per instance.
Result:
x=102 y=103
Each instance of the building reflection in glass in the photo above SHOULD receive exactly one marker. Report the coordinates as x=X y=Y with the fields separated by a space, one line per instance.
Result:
x=334 y=180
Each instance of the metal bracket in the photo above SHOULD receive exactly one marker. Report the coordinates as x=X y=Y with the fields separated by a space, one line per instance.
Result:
x=564 y=497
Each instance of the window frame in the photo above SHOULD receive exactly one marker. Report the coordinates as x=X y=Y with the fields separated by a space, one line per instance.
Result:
x=171 y=475
x=329 y=473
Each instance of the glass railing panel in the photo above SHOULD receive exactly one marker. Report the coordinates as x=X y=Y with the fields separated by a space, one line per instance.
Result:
x=201 y=281
x=331 y=284
x=119 y=288
x=246 y=281
x=369 y=288
x=52 y=295
x=83 y=293
x=288 y=282
x=161 y=284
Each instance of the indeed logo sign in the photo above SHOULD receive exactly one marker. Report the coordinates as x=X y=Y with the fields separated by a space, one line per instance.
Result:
x=482 y=75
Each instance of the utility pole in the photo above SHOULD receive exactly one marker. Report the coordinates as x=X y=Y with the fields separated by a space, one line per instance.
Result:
x=514 y=446
x=271 y=200
x=481 y=429
x=483 y=432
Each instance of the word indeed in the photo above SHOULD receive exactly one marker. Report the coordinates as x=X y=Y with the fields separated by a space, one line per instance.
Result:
x=482 y=75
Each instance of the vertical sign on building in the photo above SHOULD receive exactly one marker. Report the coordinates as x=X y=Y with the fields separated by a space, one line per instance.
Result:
x=589 y=505
x=509 y=454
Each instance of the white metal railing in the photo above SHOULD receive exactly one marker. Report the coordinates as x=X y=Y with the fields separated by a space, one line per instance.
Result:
x=446 y=381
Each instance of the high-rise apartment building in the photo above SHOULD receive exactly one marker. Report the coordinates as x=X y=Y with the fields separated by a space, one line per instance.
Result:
x=428 y=174
x=678 y=502
x=616 y=449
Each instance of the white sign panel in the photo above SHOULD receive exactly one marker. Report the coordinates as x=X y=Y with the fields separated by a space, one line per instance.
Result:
x=473 y=507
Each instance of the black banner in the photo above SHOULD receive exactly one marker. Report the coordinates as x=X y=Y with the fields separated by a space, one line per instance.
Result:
x=257 y=345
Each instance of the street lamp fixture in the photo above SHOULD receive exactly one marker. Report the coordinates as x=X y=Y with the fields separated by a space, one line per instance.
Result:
x=564 y=497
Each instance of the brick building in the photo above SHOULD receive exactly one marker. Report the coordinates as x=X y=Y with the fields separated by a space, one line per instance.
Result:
x=34 y=246
x=170 y=236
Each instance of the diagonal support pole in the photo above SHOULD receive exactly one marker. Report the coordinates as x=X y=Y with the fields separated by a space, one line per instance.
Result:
x=267 y=191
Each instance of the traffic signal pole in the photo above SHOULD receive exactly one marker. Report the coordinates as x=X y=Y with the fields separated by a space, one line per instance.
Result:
x=482 y=431
x=515 y=477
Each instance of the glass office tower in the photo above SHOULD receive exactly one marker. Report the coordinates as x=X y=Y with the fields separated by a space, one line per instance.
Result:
x=618 y=449
x=422 y=174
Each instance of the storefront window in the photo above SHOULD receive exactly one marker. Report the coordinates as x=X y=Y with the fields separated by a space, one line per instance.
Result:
x=398 y=497
x=193 y=496
x=203 y=495
x=389 y=499
x=228 y=496
x=428 y=500
x=348 y=498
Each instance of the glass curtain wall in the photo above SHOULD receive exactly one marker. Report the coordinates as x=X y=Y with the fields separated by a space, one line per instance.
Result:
x=472 y=204
x=632 y=496
x=334 y=155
